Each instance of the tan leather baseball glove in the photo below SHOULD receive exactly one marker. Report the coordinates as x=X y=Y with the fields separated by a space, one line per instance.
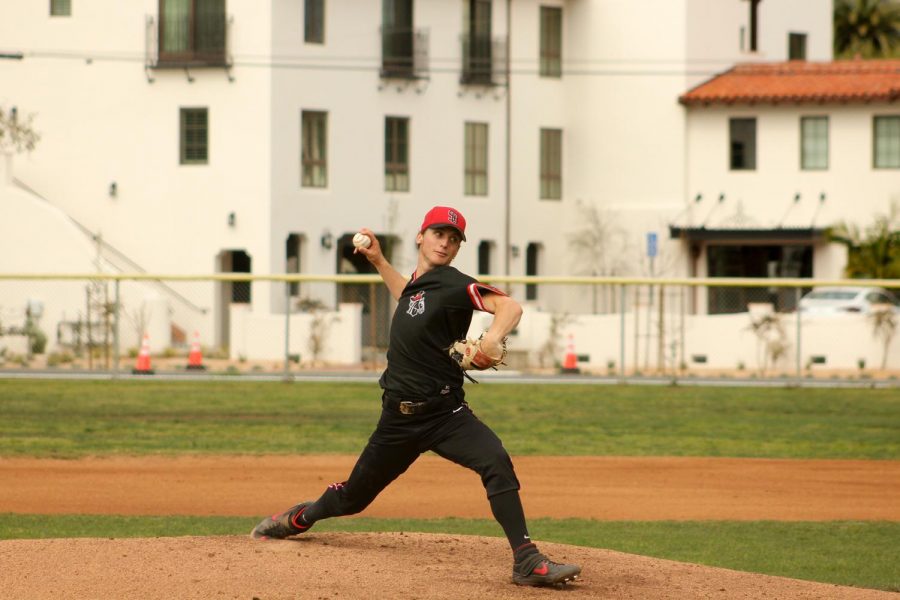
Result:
x=469 y=355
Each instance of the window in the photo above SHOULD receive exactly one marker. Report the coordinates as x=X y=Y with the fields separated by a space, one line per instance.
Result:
x=484 y=257
x=194 y=136
x=887 y=142
x=192 y=31
x=813 y=143
x=754 y=24
x=796 y=46
x=314 y=22
x=742 y=133
x=477 y=42
x=314 y=135
x=551 y=164
x=60 y=8
x=396 y=154
x=397 y=38
x=476 y=159
x=551 y=42
x=531 y=268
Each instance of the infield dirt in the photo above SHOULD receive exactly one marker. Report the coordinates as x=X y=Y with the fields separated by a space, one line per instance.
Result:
x=403 y=565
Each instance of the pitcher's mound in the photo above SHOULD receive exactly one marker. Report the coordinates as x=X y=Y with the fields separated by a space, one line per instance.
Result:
x=358 y=565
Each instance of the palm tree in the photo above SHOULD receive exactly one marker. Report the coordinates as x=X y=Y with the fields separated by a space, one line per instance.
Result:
x=884 y=326
x=875 y=252
x=868 y=28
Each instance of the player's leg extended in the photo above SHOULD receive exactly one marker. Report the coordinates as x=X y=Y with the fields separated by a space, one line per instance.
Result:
x=384 y=458
x=470 y=443
x=377 y=466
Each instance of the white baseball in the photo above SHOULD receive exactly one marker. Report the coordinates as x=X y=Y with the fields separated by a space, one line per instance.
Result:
x=361 y=240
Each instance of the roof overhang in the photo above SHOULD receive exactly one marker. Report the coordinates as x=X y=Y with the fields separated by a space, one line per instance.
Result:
x=702 y=234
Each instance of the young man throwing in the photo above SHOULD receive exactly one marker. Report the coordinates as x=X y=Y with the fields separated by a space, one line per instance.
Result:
x=423 y=402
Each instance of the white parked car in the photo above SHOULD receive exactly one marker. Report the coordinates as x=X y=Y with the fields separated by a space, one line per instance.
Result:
x=846 y=300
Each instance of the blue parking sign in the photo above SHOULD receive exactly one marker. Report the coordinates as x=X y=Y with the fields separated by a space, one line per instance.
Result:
x=651 y=244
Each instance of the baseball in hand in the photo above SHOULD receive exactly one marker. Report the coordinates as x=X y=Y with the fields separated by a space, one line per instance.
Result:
x=361 y=240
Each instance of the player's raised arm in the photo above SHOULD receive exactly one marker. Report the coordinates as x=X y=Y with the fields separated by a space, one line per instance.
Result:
x=394 y=281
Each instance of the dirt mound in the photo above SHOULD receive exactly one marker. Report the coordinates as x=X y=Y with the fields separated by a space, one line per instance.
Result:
x=357 y=565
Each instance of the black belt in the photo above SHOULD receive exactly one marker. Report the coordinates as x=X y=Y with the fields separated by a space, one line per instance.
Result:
x=420 y=406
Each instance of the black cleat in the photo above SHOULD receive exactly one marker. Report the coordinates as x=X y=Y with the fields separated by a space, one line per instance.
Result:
x=281 y=525
x=538 y=570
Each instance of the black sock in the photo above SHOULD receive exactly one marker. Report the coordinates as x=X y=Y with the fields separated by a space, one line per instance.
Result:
x=507 y=509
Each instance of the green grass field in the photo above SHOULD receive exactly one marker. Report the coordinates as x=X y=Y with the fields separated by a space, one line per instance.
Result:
x=77 y=418
x=71 y=419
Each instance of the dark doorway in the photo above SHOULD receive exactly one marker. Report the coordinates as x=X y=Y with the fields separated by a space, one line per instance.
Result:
x=377 y=304
x=770 y=262
x=230 y=292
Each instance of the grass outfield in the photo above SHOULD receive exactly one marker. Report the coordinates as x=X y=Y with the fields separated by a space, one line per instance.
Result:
x=78 y=418
x=841 y=552
x=81 y=418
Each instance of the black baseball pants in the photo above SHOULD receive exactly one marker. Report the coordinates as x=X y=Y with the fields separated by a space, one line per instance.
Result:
x=454 y=433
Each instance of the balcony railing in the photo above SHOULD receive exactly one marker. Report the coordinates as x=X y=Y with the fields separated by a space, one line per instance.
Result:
x=195 y=39
x=404 y=53
x=483 y=60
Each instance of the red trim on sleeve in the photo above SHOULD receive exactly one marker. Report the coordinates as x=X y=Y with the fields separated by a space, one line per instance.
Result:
x=475 y=294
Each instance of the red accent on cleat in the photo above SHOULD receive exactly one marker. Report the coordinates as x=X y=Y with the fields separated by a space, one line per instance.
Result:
x=541 y=570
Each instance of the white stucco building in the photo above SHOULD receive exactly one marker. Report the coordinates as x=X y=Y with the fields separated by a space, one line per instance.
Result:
x=777 y=153
x=199 y=136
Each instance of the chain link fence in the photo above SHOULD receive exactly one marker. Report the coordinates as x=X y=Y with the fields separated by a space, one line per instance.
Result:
x=240 y=324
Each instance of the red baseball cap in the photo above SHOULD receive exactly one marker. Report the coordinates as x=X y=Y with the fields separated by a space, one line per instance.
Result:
x=444 y=216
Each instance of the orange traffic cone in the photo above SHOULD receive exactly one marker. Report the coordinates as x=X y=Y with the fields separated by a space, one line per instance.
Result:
x=570 y=362
x=195 y=358
x=142 y=366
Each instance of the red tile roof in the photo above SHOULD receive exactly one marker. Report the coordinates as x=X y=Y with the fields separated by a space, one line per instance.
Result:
x=801 y=82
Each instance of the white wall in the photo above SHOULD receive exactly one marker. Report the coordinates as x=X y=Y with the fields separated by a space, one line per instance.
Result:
x=102 y=121
x=42 y=239
x=260 y=336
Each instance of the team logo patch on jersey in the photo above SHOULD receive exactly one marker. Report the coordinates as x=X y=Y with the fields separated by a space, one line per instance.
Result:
x=416 y=304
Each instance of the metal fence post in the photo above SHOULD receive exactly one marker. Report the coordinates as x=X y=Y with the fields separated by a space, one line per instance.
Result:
x=287 y=330
x=622 y=331
x=797 y=292
x=116 y=308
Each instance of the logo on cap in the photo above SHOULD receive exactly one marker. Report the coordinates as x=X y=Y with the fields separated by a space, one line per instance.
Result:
x=440 y=216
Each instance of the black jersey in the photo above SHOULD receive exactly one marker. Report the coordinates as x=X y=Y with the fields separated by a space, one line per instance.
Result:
x=434 y=311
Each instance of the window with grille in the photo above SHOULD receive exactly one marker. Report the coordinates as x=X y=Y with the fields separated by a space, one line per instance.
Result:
x=314 y=22
x=551 y=164
x=396 y=154
x=814 y=143
x=476 y=159
x=194 y=136
x=551 y=42
x=314 y=134
x=477 y=46
x=192 y=31
x=887 y=142
x=60 y=8
x=742 y=144
x=397 y=38
x=796 y=46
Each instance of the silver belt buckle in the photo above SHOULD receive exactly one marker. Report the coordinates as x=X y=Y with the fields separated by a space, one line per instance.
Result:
x=406 y=407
